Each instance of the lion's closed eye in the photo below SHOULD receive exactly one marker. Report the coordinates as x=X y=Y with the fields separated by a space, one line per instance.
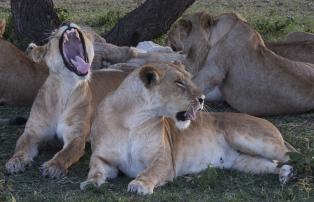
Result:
x=180 y=83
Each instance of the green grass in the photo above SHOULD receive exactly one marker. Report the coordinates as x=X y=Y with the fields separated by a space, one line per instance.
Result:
x=274 y=19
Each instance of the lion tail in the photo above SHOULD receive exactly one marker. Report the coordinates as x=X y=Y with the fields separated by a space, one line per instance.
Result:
x=12 y=121
x=290 y=147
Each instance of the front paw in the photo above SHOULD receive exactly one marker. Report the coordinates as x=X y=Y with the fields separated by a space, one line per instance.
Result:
x=95 y=181
x=53 y=169
x=18 y=163
x=140 y=187
x=285 y=174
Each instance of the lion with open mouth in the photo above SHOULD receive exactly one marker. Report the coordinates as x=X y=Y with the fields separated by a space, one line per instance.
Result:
x=65 y=104
x=151 y=130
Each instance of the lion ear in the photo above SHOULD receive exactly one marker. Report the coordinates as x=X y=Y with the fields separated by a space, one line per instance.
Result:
x=206 y=20
x=186 y=25
x=2 y=27
x=37 y=53
x=211 y=20
x=150 y=76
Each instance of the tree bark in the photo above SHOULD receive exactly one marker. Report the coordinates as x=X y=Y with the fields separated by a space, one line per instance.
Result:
x=34 y=20
x=150 y=20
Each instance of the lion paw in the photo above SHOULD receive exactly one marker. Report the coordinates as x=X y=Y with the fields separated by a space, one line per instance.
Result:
x=285 y=174
x=18 y=163
x=96 y=181
x=53 y=170
x=140 y=187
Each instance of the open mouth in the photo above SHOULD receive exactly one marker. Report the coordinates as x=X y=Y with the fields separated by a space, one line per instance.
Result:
x=186 y=115
x=73 y=51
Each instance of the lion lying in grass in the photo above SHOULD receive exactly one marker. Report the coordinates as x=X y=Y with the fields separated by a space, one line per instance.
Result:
x=302 y=51
x=230 y=62
x=66 y=103
x=148 y=130
x=20 y=77
x=299 y=37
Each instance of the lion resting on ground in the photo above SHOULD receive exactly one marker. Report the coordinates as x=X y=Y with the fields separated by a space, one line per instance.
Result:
x=20 y=77
x=299 y=36
x=231 y=62
x=66 y=102
x=302 y=51
x=135 y=131
x=297 y=46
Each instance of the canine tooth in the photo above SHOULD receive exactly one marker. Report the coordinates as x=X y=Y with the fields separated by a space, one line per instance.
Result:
x=77 y=35
x=65 y=37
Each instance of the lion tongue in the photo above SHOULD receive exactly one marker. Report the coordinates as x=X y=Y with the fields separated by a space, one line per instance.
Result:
x=191 y=115
x=80 y=65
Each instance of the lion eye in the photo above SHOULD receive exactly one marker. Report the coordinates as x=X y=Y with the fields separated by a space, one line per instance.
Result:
x=180 y=83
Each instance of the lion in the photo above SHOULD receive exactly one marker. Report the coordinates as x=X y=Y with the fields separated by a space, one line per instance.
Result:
x=299 y=37
x=230 y=62
x=150 y=129
x=302 y=51
x=20 y=77
x=66 y=103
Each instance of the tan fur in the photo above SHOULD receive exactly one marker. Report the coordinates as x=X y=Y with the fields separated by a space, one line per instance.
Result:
x=135 y=132
x=230 y=61
x=302 y=51
x=299 y=37
x=63 y=108
x=20 y=77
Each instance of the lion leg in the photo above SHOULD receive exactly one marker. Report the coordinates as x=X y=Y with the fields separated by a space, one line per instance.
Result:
x=266 y=144
x=158 y=173
x=26 y=149
x=72 y=151
x=100 y=170
x=260 y=165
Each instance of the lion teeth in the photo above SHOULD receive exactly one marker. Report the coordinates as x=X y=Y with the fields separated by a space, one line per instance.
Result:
x=77 y=35
x=65 y=38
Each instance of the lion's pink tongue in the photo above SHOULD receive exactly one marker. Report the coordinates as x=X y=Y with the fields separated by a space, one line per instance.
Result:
x=80 y=65
x=191 y=115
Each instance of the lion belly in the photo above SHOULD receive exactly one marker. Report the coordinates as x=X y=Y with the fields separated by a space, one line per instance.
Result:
x=206 y=150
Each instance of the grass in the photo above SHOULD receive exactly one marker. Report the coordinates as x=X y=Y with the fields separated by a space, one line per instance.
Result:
x=273 y=19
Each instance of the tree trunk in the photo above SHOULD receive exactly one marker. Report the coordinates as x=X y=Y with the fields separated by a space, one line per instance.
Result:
x=34 y=19
x=150 y=20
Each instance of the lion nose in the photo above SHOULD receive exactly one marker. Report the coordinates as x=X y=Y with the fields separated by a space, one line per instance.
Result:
x=201 y=99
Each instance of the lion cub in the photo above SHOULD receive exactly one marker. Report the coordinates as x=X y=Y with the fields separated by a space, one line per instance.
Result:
x=136 y=131
x=65 y=104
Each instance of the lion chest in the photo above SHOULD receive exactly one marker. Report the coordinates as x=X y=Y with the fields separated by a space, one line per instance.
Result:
x=137 y=153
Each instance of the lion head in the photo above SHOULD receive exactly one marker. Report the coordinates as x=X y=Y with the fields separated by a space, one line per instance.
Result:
x=196 y=34
x=69 y=51
x=171 y=92
x=190 y=35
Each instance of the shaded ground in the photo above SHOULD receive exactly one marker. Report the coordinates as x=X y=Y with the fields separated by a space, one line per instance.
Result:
x=212 y=185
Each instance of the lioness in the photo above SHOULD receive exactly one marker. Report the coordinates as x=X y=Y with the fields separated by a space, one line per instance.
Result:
x=299 y=36
x=302 y=51
x=231 y=62
x=20 y=77
x=66 y=102
x=135 y=131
